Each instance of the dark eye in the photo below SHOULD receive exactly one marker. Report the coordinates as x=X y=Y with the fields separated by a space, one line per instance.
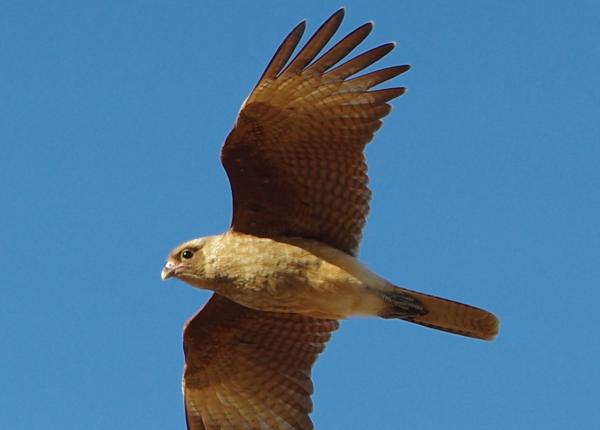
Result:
x=186 y=254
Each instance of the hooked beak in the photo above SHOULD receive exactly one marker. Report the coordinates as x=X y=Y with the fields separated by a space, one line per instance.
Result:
x=168 y=271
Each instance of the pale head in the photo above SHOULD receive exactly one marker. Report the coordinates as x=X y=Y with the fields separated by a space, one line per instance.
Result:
x=186 y=261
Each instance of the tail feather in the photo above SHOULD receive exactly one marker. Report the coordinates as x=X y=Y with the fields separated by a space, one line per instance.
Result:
x=453 y=317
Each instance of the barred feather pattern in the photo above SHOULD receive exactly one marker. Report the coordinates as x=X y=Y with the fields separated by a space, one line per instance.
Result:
x=295 y=155
x=248 y=369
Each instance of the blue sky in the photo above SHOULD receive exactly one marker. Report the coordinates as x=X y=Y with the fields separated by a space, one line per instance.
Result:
x=486 y=187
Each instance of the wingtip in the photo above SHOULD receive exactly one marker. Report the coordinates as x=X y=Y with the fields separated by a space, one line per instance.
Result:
x=341 y=11
x=367 y=27
x=364 y=29
x=337 y=16
x=389 y=46
x=301 y=26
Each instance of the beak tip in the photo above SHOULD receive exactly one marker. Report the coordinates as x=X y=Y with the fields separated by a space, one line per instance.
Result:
x=167 y=271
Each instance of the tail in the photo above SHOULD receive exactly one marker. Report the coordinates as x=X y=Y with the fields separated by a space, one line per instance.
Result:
x=442 y=314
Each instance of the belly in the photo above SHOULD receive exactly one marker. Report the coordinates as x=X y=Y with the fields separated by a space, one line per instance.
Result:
x=278 y=276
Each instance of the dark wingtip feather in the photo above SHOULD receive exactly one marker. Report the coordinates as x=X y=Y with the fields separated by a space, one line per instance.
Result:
x=341 y=10
x=361 y=61
x=284 y=51
x=342 y=48
x=316 y=43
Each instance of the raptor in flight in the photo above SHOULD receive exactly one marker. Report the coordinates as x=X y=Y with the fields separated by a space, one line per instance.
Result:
x=286 y=271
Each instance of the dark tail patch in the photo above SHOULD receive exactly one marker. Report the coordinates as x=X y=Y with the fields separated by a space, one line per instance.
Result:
x=402 y=305
x=441 y=314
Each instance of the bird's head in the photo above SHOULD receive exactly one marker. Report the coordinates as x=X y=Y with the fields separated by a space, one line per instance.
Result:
x=186 y=262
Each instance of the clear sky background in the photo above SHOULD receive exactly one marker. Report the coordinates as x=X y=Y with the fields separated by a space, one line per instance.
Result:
x=486 y=185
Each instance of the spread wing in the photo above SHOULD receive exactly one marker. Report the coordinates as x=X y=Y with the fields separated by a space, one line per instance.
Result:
x=250 y=369
x=295 y=155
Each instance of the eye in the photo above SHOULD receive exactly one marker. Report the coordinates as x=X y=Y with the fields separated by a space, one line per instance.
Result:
x=186 y=254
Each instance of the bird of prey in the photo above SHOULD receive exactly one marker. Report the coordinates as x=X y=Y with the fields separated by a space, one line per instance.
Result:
x=286 y=271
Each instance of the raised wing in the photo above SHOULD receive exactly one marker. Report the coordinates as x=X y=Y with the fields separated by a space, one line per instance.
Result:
x=295 y=155
x=247 y=369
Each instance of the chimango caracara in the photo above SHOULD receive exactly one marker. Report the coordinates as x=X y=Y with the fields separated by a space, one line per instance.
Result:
x=286 y=271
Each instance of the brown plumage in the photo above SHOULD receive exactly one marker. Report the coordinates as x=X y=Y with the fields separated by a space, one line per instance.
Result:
x=295 y=156
x=286 y=270
x=251 y=368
